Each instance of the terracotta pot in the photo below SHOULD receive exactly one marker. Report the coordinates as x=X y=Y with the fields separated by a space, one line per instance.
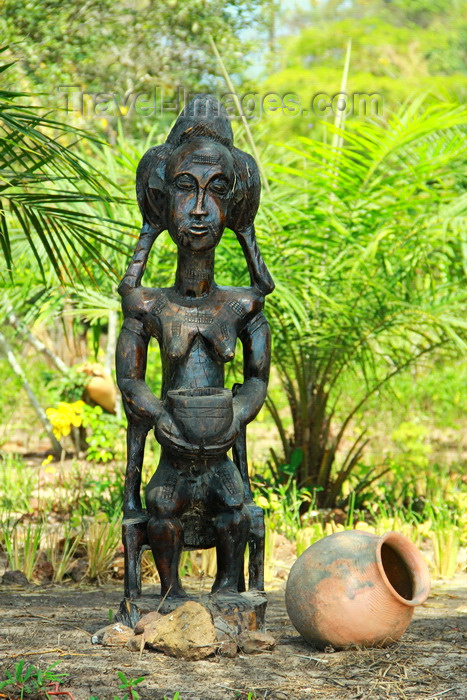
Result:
x=356 y=588
x=100 y=388
x=203 y=414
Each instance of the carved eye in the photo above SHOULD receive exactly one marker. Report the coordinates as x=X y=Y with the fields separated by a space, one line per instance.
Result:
x=185 y=182
x=219 y=186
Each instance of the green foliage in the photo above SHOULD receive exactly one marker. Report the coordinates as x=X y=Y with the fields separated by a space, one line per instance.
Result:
x=102 y=541
x=435 y=392
x=94 y=493
x=282 y=502
x=17 y=482
x=129 y=684
x=105 y=438
x=411 y=439
x=69 y=386
x=27 y=680
x=445 y=537
x=399 y=51
x=22 y=545
x=45 y=187
x=61 y=551
x=375 y=262
x=58 y=42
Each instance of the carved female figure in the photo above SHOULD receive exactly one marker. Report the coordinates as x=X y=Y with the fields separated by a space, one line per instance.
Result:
x=194 y=186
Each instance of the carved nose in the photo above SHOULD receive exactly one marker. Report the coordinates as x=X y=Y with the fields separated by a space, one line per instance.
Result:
x=199 y=208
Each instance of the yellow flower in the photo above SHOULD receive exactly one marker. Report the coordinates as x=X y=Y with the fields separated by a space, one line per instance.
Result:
x=263 y=502
x=65 y=416
x=46 y=461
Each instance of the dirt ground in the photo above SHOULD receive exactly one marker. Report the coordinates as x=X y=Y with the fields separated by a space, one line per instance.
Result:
x=43 y=624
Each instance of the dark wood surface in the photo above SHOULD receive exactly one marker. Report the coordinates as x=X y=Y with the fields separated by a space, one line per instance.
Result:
x=194 y=185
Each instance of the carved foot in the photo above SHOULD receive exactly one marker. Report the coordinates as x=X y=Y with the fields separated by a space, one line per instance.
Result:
x=175 y=593
x=225 y=587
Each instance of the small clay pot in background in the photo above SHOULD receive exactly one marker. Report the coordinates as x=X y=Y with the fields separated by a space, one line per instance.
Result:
x=100 y=389
x=355 y=588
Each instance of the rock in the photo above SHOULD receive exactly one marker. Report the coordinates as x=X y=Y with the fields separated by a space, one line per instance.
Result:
x=241 y=611
x=44 y=572
x=227 y=638
x=150 y=629
x=255 y=642
x=228 y=648
x=146 y=620
x=14 y=578
x=136 y=643
x=79 y=569
x=115 y=635
x=188 y=632
x=97 y=636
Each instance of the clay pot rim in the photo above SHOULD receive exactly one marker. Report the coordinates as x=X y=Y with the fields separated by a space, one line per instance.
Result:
x=416 y=565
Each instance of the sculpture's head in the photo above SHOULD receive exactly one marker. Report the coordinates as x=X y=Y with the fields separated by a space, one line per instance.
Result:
x=200 y=179
x=197 y=182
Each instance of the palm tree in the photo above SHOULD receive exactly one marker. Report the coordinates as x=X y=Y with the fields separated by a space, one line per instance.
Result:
x=45 y=187
x=374 y=252
x=55 y=215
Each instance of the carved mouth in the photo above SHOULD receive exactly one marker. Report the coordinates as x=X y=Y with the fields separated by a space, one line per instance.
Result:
x=198 y=229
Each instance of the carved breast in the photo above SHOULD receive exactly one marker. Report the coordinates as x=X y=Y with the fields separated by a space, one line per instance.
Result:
x=206 y=326
x=206 y=321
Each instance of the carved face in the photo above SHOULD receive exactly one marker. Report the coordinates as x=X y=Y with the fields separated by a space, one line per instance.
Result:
x=200 y=177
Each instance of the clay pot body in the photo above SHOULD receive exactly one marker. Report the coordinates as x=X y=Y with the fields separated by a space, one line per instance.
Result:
x=355 y=588
x=100 y=388
x=204 y=414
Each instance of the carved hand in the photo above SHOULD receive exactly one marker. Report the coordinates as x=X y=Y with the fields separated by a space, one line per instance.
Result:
x=170 y=436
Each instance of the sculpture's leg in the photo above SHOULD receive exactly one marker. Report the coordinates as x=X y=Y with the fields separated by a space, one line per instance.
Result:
x=136 y=438
x=134 y=536
x=256 y=548
x=232 y=529
x=166 y=499
x=232 y=525
x=166 y=539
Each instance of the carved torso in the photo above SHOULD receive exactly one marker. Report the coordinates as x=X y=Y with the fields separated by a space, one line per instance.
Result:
x=196 y=336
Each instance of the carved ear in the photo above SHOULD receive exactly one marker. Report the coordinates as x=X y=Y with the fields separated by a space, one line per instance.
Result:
x=150 y=185
x=157 y=177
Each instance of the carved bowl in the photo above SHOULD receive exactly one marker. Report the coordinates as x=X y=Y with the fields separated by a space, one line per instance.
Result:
x=203 y=414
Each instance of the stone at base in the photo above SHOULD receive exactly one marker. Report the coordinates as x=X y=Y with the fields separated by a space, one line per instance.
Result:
x=114 y=635
x=188 y=632
x=194 y=629
x=15 y=578
x=150 y=617
x=240 y=611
